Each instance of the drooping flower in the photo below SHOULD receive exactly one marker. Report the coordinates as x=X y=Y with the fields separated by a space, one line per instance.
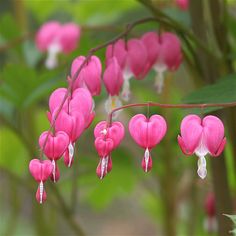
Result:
x=107 y=138
x=113 y=81
x=164 y=53
x=210 y=222
x=80 y=101
x=132 y=59
x=40 y=170
x=182 y=4
x=90 y=75
x=55 y=146
x=73 y=124
x=55 y=38
x=202 y=136
x=147 y=133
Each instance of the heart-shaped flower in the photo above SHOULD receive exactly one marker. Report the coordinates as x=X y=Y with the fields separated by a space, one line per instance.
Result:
x=116 y=131
x=55 y=144
x=202 y=136
x=103 y=146
x=40 y=170
x=147 y=133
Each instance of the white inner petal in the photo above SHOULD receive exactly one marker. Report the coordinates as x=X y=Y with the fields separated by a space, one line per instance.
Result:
x=71 y=153
x=51 y=61
x=146 y=158
x=41 y=192
x=103 y=167
x=111 y=103
x=202 y=171
x=125 y=93
x=54 y=171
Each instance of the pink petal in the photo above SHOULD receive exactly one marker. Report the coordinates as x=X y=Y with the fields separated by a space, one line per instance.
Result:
x=182 y=4
x=113 y=77
x=147 y=133
x=150 y=41
x=69 y=36
x=191 y=133
x=56 y=98
x=170 y=50
x=116 y=131
x=55 y=145
x=73 y=124
x=47 y=34
x=137 y=58
x=44 y=197
x=40 y=170
x=117 y=50
x=103 y=146
x=214 y=134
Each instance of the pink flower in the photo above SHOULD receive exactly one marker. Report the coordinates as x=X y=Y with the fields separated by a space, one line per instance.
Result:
x=55 y=147
x=40 y=170
x=56 y=38
x=202 y=137
x=147 y=133
x=73 y=124
x=119 y=51
x=113 y=81
x=106 y=140
x=210 y=223
x=90 y=75
x=82 y=102
x=164 y=53
x=56 y=144
x=132 y=59
x=182 y=4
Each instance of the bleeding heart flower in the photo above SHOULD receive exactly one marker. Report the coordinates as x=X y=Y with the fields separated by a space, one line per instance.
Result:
x=202 y=137
x=132 y=60
x=164 y=53
x=116 y=131
x=40 y=170
x=210 y=222
x=147 y=133
x=182 y=4
x=103 y=146
x=56 y=99
x=113 y=81
x=107 y=138
x=90 y=75
x=82 y=102
x=56 y=38
x=55 y=145
x=73 y=124
x=117 y=50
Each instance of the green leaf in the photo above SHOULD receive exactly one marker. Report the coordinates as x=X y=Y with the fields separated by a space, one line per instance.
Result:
x=232 y=217
x=221 y=92
x=22 y=86
x=14 y=157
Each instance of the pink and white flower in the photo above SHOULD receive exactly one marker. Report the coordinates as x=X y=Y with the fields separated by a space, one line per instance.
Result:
x=202 y=137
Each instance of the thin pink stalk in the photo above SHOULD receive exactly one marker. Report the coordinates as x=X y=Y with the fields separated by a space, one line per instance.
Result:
x=155 y=104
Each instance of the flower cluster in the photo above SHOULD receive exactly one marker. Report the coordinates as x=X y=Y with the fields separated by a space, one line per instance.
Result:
x=199 y=136
x=71 y=120
x=71 y=110
x=136 y=57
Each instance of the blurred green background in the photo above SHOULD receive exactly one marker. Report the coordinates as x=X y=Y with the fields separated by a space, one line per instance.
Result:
x=167 y=201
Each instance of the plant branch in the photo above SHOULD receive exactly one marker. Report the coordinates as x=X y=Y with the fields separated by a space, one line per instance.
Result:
x=155 y=104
